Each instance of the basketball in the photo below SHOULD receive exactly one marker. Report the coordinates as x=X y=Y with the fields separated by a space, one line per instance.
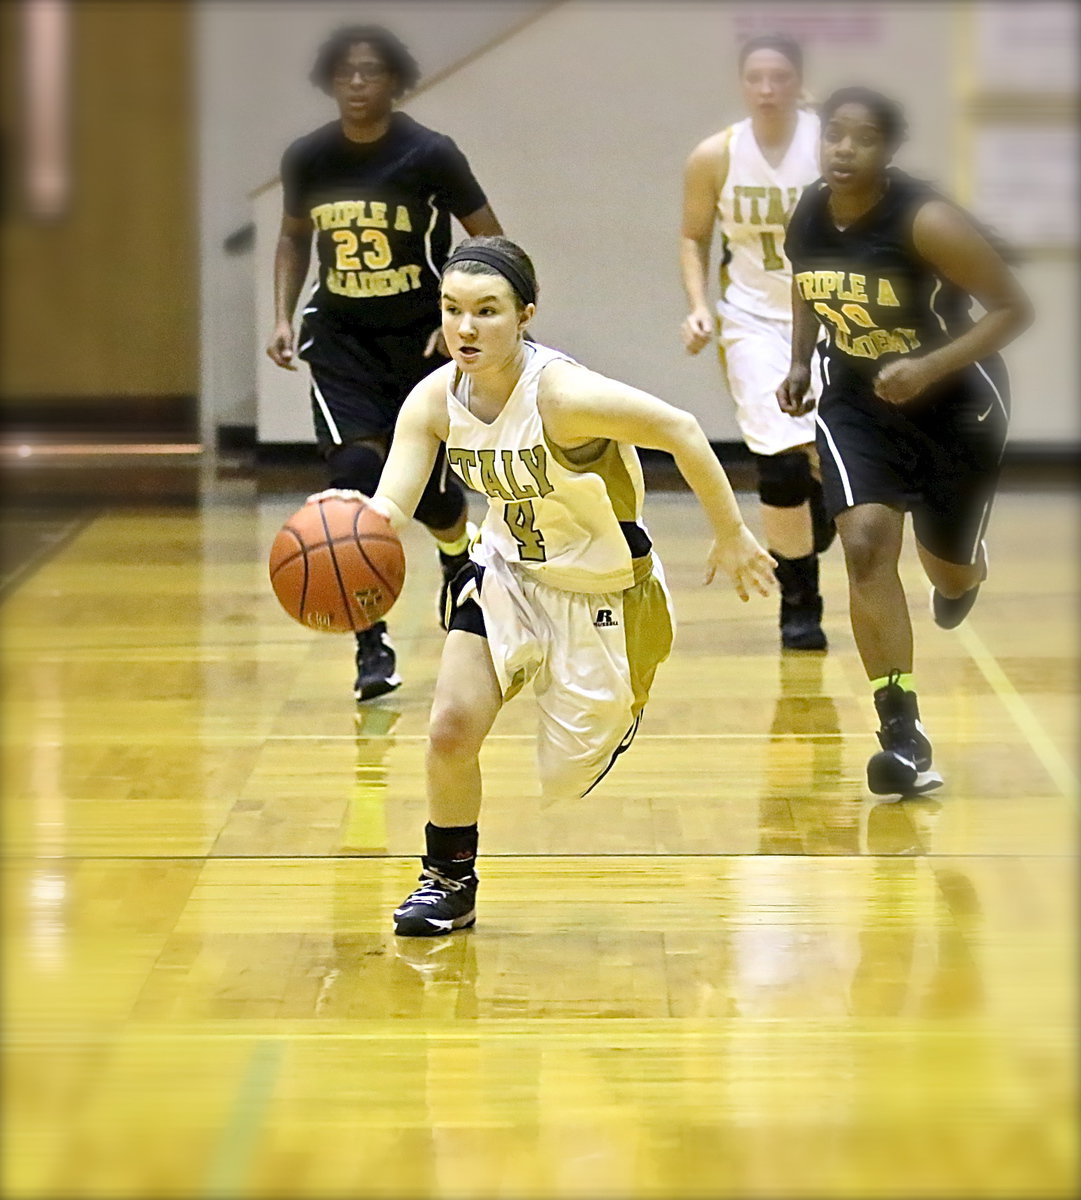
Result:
x=337 y=565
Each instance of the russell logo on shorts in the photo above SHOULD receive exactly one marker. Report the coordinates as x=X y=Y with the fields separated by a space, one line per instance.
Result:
x=605 y=620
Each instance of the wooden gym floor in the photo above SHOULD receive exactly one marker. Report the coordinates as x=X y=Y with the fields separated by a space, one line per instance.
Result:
x=727 y=973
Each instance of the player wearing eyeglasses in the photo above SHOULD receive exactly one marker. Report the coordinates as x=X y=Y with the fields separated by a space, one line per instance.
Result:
x=377 y=191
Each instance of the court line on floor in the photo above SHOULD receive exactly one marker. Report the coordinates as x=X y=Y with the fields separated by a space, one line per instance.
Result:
x=1053 y=760
x=628 y=1029
x=233 y=1155
x=518 y=737
x=47 y=549
x=410 y=859
x=247 y=739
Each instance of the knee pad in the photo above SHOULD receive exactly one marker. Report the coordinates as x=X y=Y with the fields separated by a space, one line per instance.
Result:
x=443 y=502
x=357 y=467
x=784 y=480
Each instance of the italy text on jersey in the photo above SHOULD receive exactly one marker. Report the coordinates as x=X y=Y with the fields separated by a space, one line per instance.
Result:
x=756 y=201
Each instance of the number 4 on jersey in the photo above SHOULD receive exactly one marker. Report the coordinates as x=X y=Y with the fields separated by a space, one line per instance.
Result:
x=521 y=520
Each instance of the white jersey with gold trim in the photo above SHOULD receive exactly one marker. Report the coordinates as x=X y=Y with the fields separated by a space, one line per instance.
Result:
x=575 y=524
x=753 y=209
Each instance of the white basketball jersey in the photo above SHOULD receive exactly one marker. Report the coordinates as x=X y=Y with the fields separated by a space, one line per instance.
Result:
x=572 y=525
x=754 y=206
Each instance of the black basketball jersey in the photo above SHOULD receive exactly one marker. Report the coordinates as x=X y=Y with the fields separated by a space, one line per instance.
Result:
x=875 y=296
x=382 y=218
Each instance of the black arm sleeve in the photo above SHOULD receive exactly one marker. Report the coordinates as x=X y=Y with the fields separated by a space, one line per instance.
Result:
x=292 y=173
x=456 y=188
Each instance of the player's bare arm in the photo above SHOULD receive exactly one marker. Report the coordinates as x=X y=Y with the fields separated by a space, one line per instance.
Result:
x=482 y=223
x=706 y=166
x=579 y=406
x=958 y=251
x=291 y=259
x=420 y=429
x=792 y=394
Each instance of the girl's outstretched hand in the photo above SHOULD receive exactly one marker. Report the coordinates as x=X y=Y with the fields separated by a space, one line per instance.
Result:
x=744 y=561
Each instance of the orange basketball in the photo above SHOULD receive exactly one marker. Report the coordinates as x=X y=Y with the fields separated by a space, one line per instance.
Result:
x=337 y=565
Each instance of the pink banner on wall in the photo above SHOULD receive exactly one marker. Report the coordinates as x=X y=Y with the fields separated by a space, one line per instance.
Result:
x=842 y=24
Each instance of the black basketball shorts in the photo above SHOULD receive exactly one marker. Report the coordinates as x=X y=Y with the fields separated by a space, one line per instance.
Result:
x=359 y=377
x=937 y=457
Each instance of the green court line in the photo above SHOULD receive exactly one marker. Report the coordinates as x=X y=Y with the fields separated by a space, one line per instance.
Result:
x=233 y=1155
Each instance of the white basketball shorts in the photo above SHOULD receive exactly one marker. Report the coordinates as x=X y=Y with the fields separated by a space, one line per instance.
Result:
x=756 y=353
x=591 y=658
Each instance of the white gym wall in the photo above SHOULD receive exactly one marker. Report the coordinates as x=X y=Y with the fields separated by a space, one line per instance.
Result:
x=578 y=126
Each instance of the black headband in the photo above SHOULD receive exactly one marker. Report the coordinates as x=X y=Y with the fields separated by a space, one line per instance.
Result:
x=491 y=257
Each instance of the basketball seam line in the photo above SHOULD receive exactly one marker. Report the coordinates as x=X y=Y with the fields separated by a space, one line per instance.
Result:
x=337 y=571
x=299 y=541
x=371 y=566
x=368 y=537
x=301 y=553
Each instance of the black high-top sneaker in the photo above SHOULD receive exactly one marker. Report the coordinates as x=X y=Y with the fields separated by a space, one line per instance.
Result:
x=903 y=766
x=801 y=603
x=376 y=664
x=442 y=903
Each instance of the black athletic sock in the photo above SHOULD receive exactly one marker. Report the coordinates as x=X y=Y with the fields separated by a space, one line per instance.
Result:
x=798 y=578
x=452 y=849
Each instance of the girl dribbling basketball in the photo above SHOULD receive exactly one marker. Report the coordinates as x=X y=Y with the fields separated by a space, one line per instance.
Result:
x=562 y=589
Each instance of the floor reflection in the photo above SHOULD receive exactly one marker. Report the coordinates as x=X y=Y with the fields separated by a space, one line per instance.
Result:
x=802 y=769
x=365 y=831
x=922 y=923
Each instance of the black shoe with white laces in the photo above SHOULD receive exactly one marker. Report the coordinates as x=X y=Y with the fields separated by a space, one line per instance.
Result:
x=903 y=766
x=441 y=904
x=376 y=664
